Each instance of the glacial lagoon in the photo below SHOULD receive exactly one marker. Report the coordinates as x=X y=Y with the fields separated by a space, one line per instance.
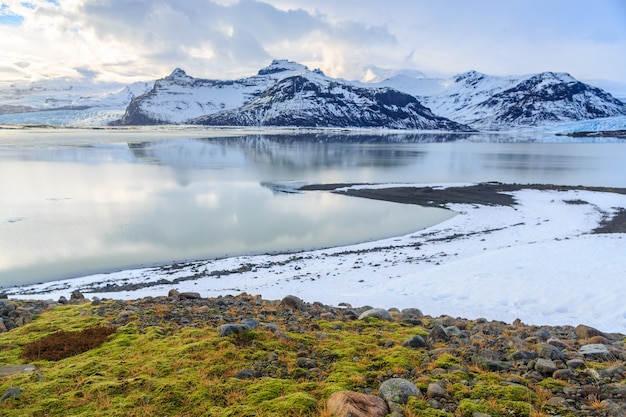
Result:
x=79 y=201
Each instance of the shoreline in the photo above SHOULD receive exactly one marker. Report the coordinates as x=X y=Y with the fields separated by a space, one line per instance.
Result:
x=489 y=241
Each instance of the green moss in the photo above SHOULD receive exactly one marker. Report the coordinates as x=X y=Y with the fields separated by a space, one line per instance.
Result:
x=421 y=408
x=484 y=390
x=446 y=361
x=297 y=403
x=552 y=384
x=495 y=408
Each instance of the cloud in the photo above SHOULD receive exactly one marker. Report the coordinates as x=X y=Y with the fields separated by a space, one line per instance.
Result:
x=215 y=37
x=145 y=39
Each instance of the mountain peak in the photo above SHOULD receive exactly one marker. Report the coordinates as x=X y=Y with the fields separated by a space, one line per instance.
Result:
x=178 y=74
x=282 y=65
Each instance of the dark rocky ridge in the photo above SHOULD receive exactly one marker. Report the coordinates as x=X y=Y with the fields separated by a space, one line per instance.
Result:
x=302 y=101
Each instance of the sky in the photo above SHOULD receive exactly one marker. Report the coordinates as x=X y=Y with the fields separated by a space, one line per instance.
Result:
x=141 y=40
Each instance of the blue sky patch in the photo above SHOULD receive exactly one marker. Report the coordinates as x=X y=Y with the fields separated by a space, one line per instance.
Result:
x=7 y=17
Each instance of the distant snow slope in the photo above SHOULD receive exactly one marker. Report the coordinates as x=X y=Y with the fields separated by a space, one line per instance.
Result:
x=66 y=101
x=497 y=103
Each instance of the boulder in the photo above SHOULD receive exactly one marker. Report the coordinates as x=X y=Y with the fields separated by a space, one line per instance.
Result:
x=189 y=296
x=415 y=342
x=293 y=302
x=379 y=313
x=545 y=366
x=227 y=329
x=398 y=391
x=354 y=404
x=586 y=332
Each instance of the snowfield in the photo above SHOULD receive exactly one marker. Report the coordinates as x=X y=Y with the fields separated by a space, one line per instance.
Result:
x=537 y=261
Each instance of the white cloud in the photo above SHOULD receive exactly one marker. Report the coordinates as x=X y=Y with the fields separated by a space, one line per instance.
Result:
x=141 y=39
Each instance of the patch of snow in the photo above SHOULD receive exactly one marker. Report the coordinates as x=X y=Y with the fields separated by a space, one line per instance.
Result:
x=537 y=261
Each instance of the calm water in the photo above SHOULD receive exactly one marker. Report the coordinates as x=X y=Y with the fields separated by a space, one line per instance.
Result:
x=77 y=201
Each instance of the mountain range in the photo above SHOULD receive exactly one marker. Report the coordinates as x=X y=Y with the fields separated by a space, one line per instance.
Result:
x=286 y=93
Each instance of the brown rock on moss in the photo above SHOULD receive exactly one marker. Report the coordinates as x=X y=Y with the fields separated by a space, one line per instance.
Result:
x=354 y=404
x=585 y=332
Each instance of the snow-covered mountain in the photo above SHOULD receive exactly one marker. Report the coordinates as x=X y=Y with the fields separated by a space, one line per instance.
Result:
x=494 y=103
x=65 y=98
x=69 y=93
x=179 y=98
x=286 y=93
x=283 y=94
x=314 y=100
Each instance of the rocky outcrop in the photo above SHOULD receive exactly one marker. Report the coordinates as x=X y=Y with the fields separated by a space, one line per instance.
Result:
x=313 y=100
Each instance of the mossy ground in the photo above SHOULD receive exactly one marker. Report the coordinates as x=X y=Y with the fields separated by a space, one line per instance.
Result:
x=190 y=371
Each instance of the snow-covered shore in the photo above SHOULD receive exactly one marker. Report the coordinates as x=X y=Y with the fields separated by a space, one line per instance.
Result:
x=537 y=260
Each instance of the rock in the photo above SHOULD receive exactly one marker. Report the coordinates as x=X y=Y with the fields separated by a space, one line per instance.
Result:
x=616 y=371
x=436 y=391
x=412 y=312
x=249 y=374
x=379 y=313
x=438 y=334
x=545 y=366
x=77 y=296
x=565 y=374
x=227 y=329
x=306 y=363
x=354 y=404
x=613 y=409
x=595 y=340
x=11 y=392
x=251 y=324
x=557 y=343
x=576 y=364
x=558 y=402
x=520 y=355
x=547 y=351
x=398 y=391
x=415 y=342
x=595 y=352
x=189 y=296
x=173 y=293
x=586 y=332
x=293 y=302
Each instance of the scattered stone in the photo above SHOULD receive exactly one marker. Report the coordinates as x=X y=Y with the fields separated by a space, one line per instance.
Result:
x=545 y=366
x=306 y=363
x=415 y=342
x=586 y=332
x=564 y=374
x=354 y=404
x=9 y=370
x=227 y=329
x=412 y=312
x=438 y=334
x=398 y=391
x=77 y=296
x=595 y=352
x=189 y=296
x=251 y=324
x=379 y=313
x=293 y=302
x=547 y=351
x=613 y=409
x=596 y=340
x=11 y=392
x=436 y=391
x=576 y=363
